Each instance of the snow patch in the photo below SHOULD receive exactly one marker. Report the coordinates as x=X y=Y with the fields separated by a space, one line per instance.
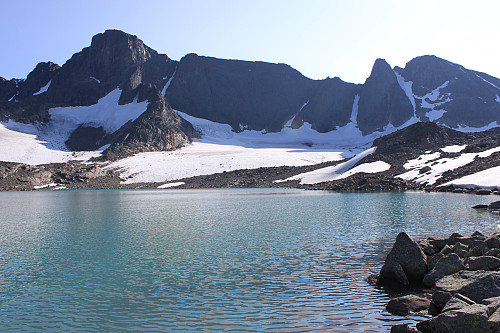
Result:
x=354 y=112
x=453 y=149
x=488 y=179
x=169 y=185
x=440 y=166
x=333 y=172
x=93 y=78
x=491 y=84
x=29 y=144
x=203 y=158
x=43 y=89
x=497 y=98
x=436 y=100
x=38 y=187
x=468 y=129
x=421 y=160
x=407 y=88
x=435 y=114
x=164 y=90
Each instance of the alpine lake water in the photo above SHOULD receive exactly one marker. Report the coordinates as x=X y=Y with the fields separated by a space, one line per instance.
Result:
x=237 y=260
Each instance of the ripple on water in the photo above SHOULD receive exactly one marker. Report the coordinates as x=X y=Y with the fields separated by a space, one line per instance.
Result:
x=218 y=260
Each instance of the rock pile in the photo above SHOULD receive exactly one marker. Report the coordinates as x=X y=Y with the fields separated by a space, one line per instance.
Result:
x=464 y=274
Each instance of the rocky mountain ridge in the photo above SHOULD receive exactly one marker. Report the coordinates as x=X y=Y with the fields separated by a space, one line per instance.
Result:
x=119 y=96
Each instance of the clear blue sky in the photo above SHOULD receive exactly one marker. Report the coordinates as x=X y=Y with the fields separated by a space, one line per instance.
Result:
x=319 y=38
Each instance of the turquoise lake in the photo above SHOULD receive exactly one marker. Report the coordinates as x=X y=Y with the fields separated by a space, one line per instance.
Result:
x=236 y=260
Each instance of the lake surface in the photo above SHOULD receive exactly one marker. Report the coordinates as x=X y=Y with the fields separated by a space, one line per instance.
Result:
x=238 y=260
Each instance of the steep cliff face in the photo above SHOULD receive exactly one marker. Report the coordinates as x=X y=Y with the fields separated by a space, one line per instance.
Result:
x=331 y=105
x=382 y=100
x=253 y=95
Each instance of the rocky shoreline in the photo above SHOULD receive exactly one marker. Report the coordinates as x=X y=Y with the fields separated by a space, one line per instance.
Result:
x=95 y=176
x=460 y=276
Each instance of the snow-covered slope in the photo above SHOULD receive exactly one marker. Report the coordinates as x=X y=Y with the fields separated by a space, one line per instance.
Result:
x=45 y=143
x=488 y=179
x=428 y=168
x=340 y=171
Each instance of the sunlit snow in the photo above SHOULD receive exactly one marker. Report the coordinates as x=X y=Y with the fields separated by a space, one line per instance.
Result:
x=489 y=179
x=340 y=171
x=453 y=149
x=24 y=143
x=439 y=166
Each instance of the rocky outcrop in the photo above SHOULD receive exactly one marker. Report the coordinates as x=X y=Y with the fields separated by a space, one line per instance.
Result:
x=465 y=280
x=159 y=128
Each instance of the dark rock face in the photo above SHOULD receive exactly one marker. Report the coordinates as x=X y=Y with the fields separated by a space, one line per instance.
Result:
x=331 y=105
x=382 y=101
x=37 y=79
x=405 y=263
x=159 y=128
x=86 y=138
x=256 y=95
x=461 y=91
x=114 y=59
x=8 y=89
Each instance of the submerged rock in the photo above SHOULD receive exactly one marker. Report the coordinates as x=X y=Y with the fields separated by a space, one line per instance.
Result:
x=402 y=306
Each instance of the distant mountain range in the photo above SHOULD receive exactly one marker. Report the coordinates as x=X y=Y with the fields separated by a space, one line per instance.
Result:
x=119 y=95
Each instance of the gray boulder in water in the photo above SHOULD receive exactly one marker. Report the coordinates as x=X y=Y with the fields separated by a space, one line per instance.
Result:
x=405 y=263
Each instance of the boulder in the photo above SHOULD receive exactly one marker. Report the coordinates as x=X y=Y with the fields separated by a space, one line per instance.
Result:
x=405 y=263
x=403 y=306
x=494 y=205
x=487 y=263
x=477 y=249
x=449 y=264
x=460 y=249
x=478 y=234
x=483 y=192
x=428 y=249
x=446 y=250
x=437 y=242
x=457 y=302
x=493 y=242
x=432 y=260
x=493 y=253
x=492 y=303
x=494 y=322
x=476 y=285
x=470 y=319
